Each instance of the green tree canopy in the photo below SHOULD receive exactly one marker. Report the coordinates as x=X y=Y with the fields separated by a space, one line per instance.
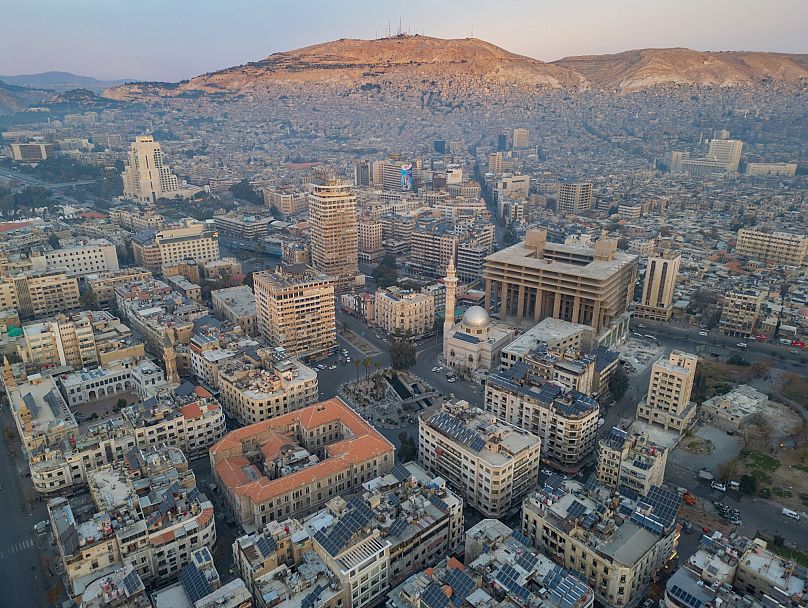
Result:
x=402 y=354
x=386 y=273
x=244 y=191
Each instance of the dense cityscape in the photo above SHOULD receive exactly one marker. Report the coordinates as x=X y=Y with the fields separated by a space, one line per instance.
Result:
x=383 y=339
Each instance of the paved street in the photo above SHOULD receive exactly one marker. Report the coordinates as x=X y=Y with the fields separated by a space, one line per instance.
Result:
x=21 y=549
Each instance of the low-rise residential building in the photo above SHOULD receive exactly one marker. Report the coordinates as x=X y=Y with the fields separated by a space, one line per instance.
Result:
x=403 y=313
x=237 y=304
x=102 y=285
x=617 y=544
x=491 y=464
x=293 y=464
x=728 y=411
x=156 y=537
x=566 y=422
x=630 y=462
x=668 y=400
x=186 y=288
x=122 y=588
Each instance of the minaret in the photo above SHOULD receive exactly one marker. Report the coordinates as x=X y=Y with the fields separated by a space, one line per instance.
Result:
x=170 y=360
x=9 y=381
x=451 y=291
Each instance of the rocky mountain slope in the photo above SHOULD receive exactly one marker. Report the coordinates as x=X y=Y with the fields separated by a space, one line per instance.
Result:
x=420 y=62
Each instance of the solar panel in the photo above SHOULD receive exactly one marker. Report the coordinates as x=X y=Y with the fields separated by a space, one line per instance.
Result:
x=311 y=599
x=439 y=503
x=590 y=520
x=398 y=527
x=451 y=427
x=193 y=493
x=132 y=583
x=527 y=561
x=508 y=578
x=565 y=588
x=401 y=472
x=684 y=596
x=516 y=534
x=194 y=582
x=266 y=545
x=576 y=510
x=433 y=597
x=460 y=582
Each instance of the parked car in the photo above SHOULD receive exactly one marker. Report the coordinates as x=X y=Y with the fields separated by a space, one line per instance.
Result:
x=716 y=485
x=741 y=345
x=702 y=333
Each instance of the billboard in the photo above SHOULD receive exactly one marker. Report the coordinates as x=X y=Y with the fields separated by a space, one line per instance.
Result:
x=406 y=177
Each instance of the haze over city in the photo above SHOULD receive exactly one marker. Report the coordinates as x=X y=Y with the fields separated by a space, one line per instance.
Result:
x=404 y=304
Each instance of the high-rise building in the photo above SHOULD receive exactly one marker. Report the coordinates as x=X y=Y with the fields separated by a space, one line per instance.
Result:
x=740 y=312
x=362 y=173
x=726 y=151
x=538 y=279
x=520 y=137
x=387 y=174
x=490 y=463
x=334 y=242
x=574 y=197
x=658 y=291
x=45 y=293
x=147 y=176
x=772 y=247
x=668 y=400
x=295 y=310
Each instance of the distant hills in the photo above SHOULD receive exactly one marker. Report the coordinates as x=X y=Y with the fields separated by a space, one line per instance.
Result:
x=60 y=81
x=419 y=63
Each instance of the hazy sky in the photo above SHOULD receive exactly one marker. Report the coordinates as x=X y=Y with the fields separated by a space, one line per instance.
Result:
x=174 y=39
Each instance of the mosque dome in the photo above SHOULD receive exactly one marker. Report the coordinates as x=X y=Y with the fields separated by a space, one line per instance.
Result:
x=476 y=316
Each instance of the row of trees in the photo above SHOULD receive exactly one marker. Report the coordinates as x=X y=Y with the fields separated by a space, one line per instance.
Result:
x=367 y=363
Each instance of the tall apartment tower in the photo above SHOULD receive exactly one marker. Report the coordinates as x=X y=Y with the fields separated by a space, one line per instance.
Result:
x=295 y=310
x=574 y=198
x=658 y=291
x=334 y=241
x=147 y=175
x=726 y=151
x=668 y=400
x=520 y=138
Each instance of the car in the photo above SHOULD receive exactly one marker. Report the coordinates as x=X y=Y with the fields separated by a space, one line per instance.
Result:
x=641 y=326
x=435 y=369
x=41 y=526
x=702 y=333
x=716 y=485
x=347 y=359
x=332 y=366
x=648 y=603
x=547 y=471
x=741 y=345
x=452 y=380
x=689 y=498
x=706 y=530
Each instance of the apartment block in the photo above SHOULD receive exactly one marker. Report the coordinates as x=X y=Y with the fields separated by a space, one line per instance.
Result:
x=295 y=310
x=260 y=384
x=189 y=240
x=65 y=340
x=287 y=200
x=574 y=197
x=565 y=421
x=44 y=293
x=92 y=256
x=538 y=279
x=771 y=169
x=401 y=312
x=631 y=462
x=491 y=464
x=147 y=175
x=240 y=226
x=157 y=538
x=334 y=242
x=616 y=544
x=102 y=285
x=773 y=248
x=293 y=464
x=668 y=400
x=659 y=287
x=741 y=312
x=236 y=304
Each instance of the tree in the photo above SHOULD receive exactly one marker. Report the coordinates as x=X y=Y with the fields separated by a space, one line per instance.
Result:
x=408 y=451
x=738 y=360
x=357 y=364
x=729 y=470
x=747 y=484
x=402 y=354
x=760 y=368
x=244 y=191
x=386 y=273
x=276 y=213
x=367 y=363
x=618 y=383
x=120 y=404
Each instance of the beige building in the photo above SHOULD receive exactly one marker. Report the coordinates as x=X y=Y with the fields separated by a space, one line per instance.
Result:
x=334 y=243
x=566 y=422
x=774 y=248
x=574 y=198
x=309 y=456
x=476 y=342
x=237 y=304
x=287 y=200
x=66 y=340
x=617 y=545
x=630 y=461
x=741 y=312
x=658 y=290
x=537 y=279
x=520 y=137
x=404 y=312
x=668 y=400
x=102 y=285
x=492 y=465
x=726 y=152
x=97 y=255
x=370 y=235
x=190 y=240
x=147 y=176
x=44 y=293
x=771 y=169
x=296 y=310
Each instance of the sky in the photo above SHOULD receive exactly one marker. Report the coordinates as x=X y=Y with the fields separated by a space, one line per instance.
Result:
x=175 y=39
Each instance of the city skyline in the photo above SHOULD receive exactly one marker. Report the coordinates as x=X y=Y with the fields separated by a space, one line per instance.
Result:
x=216 y=36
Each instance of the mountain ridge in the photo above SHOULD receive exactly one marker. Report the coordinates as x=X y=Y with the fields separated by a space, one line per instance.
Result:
x=61 y=81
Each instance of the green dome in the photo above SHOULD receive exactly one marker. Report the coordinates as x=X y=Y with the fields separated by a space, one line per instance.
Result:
x=14 y=331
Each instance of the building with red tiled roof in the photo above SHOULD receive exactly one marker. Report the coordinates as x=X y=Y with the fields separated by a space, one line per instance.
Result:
x=293 y=464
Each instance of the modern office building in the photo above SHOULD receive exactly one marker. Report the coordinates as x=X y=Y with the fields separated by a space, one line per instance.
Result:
x=630 y=462
x=740 y=312
x=520 y=137
x=726 y=151
x=574 y=197
x=295 y=310
x=537 y=279
x=490 y=463
x=240 y=226
x=615 y=543
x=771 y=169
x=97 y=255
x=668 y=400
x=308 y=457
x=774 y=248
x=334 y=241
x=147 y=176
x=658 y=292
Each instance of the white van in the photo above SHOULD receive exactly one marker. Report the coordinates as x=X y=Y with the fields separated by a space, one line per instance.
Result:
x=791 y=514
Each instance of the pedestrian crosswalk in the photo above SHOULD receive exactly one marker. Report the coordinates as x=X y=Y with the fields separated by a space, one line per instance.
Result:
x=16 y=548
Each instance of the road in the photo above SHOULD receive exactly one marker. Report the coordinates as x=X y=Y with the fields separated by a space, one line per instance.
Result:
x=29 y=180
x=23 y=553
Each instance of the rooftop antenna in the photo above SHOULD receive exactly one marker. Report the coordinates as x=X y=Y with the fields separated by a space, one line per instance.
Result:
x=472 y=30
x=388 y=28
x=399 y=25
